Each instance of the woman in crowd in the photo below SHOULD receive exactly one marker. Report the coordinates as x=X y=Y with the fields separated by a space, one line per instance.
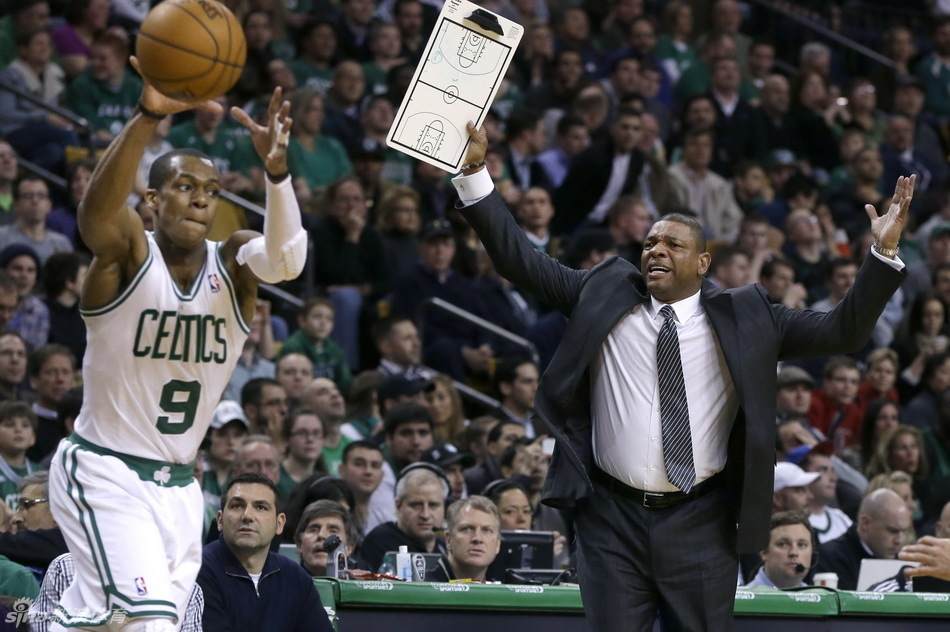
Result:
x=398 y=222
x=303 y=434
x=445 y=406
x=315 y=158
x=922 y=334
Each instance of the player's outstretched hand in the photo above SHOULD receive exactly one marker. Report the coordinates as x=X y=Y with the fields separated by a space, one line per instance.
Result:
x=270 y=141
x=154 y=101
x=476 y=148
x=887 y=228
x=932 y=553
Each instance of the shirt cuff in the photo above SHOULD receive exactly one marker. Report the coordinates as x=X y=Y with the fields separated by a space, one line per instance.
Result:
x=895 y=263
x=474 y=187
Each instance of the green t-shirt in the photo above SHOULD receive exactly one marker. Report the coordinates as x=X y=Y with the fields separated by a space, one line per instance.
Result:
x=8 y=49
x=322 y=166
x=309 y=77
x=286 y=484
x=102 y=106
x=8 y=484
x=332 y=457
x=329 y=361
x=17 y=580
x=228 y=150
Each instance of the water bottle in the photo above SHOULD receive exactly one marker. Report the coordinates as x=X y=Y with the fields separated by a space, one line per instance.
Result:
x=404 y=564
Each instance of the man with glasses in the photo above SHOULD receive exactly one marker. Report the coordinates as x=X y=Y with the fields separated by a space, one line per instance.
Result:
x=834 y=411
x=31 y=205
x=36 y=539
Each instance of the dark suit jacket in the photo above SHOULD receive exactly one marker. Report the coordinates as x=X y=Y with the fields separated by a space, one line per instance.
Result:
x=753 y=334
x=586 y=182
x=843 y=556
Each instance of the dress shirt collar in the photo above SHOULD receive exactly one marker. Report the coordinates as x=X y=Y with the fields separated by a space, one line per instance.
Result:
x=683 y=309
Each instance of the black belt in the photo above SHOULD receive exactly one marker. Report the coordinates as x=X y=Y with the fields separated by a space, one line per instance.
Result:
x=656 y=501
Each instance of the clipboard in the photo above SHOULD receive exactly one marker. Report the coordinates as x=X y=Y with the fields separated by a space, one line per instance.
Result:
x=465 y=60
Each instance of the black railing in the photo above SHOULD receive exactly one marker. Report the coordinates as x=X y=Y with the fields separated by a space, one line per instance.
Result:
x=78 y=122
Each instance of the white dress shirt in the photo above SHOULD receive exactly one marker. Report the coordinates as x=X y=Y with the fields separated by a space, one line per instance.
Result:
x=625 y=396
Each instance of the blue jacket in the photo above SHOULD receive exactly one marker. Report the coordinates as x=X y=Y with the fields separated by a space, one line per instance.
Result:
x=285 y=598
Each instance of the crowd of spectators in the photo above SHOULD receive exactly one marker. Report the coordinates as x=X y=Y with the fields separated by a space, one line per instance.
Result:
x=610 y=116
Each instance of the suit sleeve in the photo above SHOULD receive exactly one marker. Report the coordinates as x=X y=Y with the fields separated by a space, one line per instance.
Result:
x=849 y=325
x=517 y=260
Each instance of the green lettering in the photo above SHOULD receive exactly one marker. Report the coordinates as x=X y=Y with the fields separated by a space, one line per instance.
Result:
x=137 y=350
x=187 y=322
x=172 y=353
x=206 y=323
x=157 y=353
x=220 y=331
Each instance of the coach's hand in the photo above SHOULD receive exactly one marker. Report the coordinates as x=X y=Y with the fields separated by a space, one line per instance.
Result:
x=887 y=228
x=478 y=145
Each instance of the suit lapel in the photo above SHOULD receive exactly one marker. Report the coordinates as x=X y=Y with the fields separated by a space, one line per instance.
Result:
x=584 y=338
x=722 y=316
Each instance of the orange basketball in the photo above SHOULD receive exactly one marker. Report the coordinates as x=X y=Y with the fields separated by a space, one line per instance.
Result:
x=191 y=49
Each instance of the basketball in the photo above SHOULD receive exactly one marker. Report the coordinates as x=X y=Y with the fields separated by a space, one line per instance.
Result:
x=191 y=49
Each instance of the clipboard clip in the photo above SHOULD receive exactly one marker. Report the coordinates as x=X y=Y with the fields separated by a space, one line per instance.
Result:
x=486 y=20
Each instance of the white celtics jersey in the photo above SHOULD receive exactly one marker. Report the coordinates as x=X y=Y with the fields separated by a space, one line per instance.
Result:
x=158 y=359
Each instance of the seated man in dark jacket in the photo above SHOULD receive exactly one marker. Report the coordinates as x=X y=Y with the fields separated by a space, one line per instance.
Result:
x=36 y=539
x=473 y=539
x=878 y=533
x=245 y=586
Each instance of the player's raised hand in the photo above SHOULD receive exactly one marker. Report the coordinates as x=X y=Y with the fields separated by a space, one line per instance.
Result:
x=270 y=141
x=158 y=103
x=477 y=148
x=887 y=227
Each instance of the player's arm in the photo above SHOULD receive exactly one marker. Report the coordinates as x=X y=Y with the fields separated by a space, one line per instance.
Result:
x=111 y=229
x=280 y=253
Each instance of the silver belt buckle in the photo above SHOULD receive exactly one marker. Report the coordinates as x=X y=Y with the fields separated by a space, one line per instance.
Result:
x=646 y=498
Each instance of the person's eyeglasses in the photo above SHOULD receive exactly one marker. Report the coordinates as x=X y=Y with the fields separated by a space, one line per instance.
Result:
x=307 y=434
x=25 y=503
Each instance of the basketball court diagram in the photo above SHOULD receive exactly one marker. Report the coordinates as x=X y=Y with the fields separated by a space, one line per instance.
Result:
x=455 y=83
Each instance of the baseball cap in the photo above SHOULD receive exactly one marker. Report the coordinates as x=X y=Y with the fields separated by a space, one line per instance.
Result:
x=226 y=412
x=790 y=475
x=435 y=228
x=368 y=148
x=904 y=81
x=937 y=231
x=780 y=158
x=791 y=375
x=447 y=454
x=797 y=455
x=399 y=386
x=13 y=251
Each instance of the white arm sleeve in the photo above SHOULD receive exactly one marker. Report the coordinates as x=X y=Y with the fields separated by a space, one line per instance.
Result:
x=281 y=252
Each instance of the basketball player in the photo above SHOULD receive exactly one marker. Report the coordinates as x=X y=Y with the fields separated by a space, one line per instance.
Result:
x=167 y=314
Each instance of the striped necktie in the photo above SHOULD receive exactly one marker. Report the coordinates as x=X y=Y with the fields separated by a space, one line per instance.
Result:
x=674 y=411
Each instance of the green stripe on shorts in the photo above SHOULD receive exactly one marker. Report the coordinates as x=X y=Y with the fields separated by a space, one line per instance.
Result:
x=161 y=473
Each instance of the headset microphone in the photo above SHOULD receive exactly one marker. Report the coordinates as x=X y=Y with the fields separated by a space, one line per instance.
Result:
x=800 y=568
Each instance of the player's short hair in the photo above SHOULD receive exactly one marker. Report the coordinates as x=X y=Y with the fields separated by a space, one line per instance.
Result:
x=326 y=508
x=162 y=169
x=362 y=444
x=418 y=477
x=41 y=355
x=472 y=502
x=316 y=301
x=252 y=391
x=15 y=409
x=252 y=477
x=35 y=478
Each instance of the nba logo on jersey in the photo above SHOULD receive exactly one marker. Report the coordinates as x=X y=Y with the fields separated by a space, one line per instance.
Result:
x=140 y=586
x=214 y=282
